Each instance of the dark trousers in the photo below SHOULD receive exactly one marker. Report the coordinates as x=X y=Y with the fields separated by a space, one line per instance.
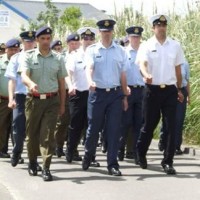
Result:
x=132 y=118
x=104 y=110
x=158 y=101
x=78 y=119
x=5 y=124
x=62 y=125
x=19 y=121
x=180 y=117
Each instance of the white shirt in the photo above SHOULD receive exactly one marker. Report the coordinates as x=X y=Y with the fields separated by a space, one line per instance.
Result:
x=161 y=59
x=76 y=64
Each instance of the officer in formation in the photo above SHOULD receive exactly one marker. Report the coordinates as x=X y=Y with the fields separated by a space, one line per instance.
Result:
x=180 y=113
x=160 y=60
x=62 y=121
x=78 y=92
x=12 y=47
x=17 y=96
x=73 y=43
x=106 y=70
x=98 y=77
x=61 y=135
x=56 y=45
x=43 y=72
x=132 y=118
x=2 y=48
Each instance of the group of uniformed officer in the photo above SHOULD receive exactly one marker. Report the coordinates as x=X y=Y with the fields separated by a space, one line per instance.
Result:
x=92 y=88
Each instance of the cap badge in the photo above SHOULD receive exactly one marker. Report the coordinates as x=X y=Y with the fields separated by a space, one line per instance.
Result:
x=88 y=32
x=48 y=30
x=136 y=30
x=106 y=23
x=3 y=46
x=30 y=34
x=162 y=18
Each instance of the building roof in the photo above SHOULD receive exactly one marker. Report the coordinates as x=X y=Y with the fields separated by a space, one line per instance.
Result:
x=31 y=9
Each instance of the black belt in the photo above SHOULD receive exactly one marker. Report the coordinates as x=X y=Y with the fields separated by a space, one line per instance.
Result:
x=136 y=86
x=162 y=86
x=109 y=89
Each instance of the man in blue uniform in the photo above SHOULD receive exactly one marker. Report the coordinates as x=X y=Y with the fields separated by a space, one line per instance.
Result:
x=17 y=95
x=106 y=73
x=132 y=118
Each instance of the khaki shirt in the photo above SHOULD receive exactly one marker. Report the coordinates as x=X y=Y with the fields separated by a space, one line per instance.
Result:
x=44 y=71
x=3 y=80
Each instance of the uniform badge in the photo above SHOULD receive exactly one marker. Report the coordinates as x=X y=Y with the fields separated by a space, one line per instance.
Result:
x=88 y=32
x=48 y=30
x=30 y=34
x=3 y=46
x=76 y=38
x=59 y=43
x=162 y=18
x=106 y=23
x=136 y=30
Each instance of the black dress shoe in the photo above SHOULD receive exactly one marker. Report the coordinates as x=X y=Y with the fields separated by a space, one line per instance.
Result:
x=104 y=147
x=178 y=152
x=142 y=161
x=120 y=155
x=77 y=158
x=39 y=168
x=21 y=160
x=94 y=163
x=69 y=156
x=169 y=169
x=85 y=163
x=4 y=155
x=46 y=175
x=114 y=172
x=129 y=155
x=15 y=159
x=161 y=146
x=59 y=152
x=32 y=169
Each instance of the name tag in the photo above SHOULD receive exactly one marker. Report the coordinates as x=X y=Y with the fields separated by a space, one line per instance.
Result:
x=35 y=63
x=79 y=62
x=153 y=51
x=98 y=56
x=43 y=96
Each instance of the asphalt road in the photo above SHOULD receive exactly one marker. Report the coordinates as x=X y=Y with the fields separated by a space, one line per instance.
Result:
x=71 y=183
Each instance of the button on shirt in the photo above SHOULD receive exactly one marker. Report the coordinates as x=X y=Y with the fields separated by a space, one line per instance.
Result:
x=161 y=59
x=133 y=74
x=3 y=80
x=12 y=72
x=107 y=64
x=76 y=64
x=44 y=70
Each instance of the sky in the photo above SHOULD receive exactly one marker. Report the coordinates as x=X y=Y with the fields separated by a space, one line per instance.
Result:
x=179 y=6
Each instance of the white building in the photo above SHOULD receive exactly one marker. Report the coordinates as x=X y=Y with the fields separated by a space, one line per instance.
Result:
x=15 y=14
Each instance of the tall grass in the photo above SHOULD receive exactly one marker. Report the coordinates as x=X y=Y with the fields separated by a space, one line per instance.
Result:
x=185 y=29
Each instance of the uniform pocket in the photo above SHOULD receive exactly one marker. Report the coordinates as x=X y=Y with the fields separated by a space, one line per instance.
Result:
x=171 y=59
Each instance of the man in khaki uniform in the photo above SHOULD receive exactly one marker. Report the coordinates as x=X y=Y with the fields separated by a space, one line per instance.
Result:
x=62 y=122
x=43 y=72
x=12 y=47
